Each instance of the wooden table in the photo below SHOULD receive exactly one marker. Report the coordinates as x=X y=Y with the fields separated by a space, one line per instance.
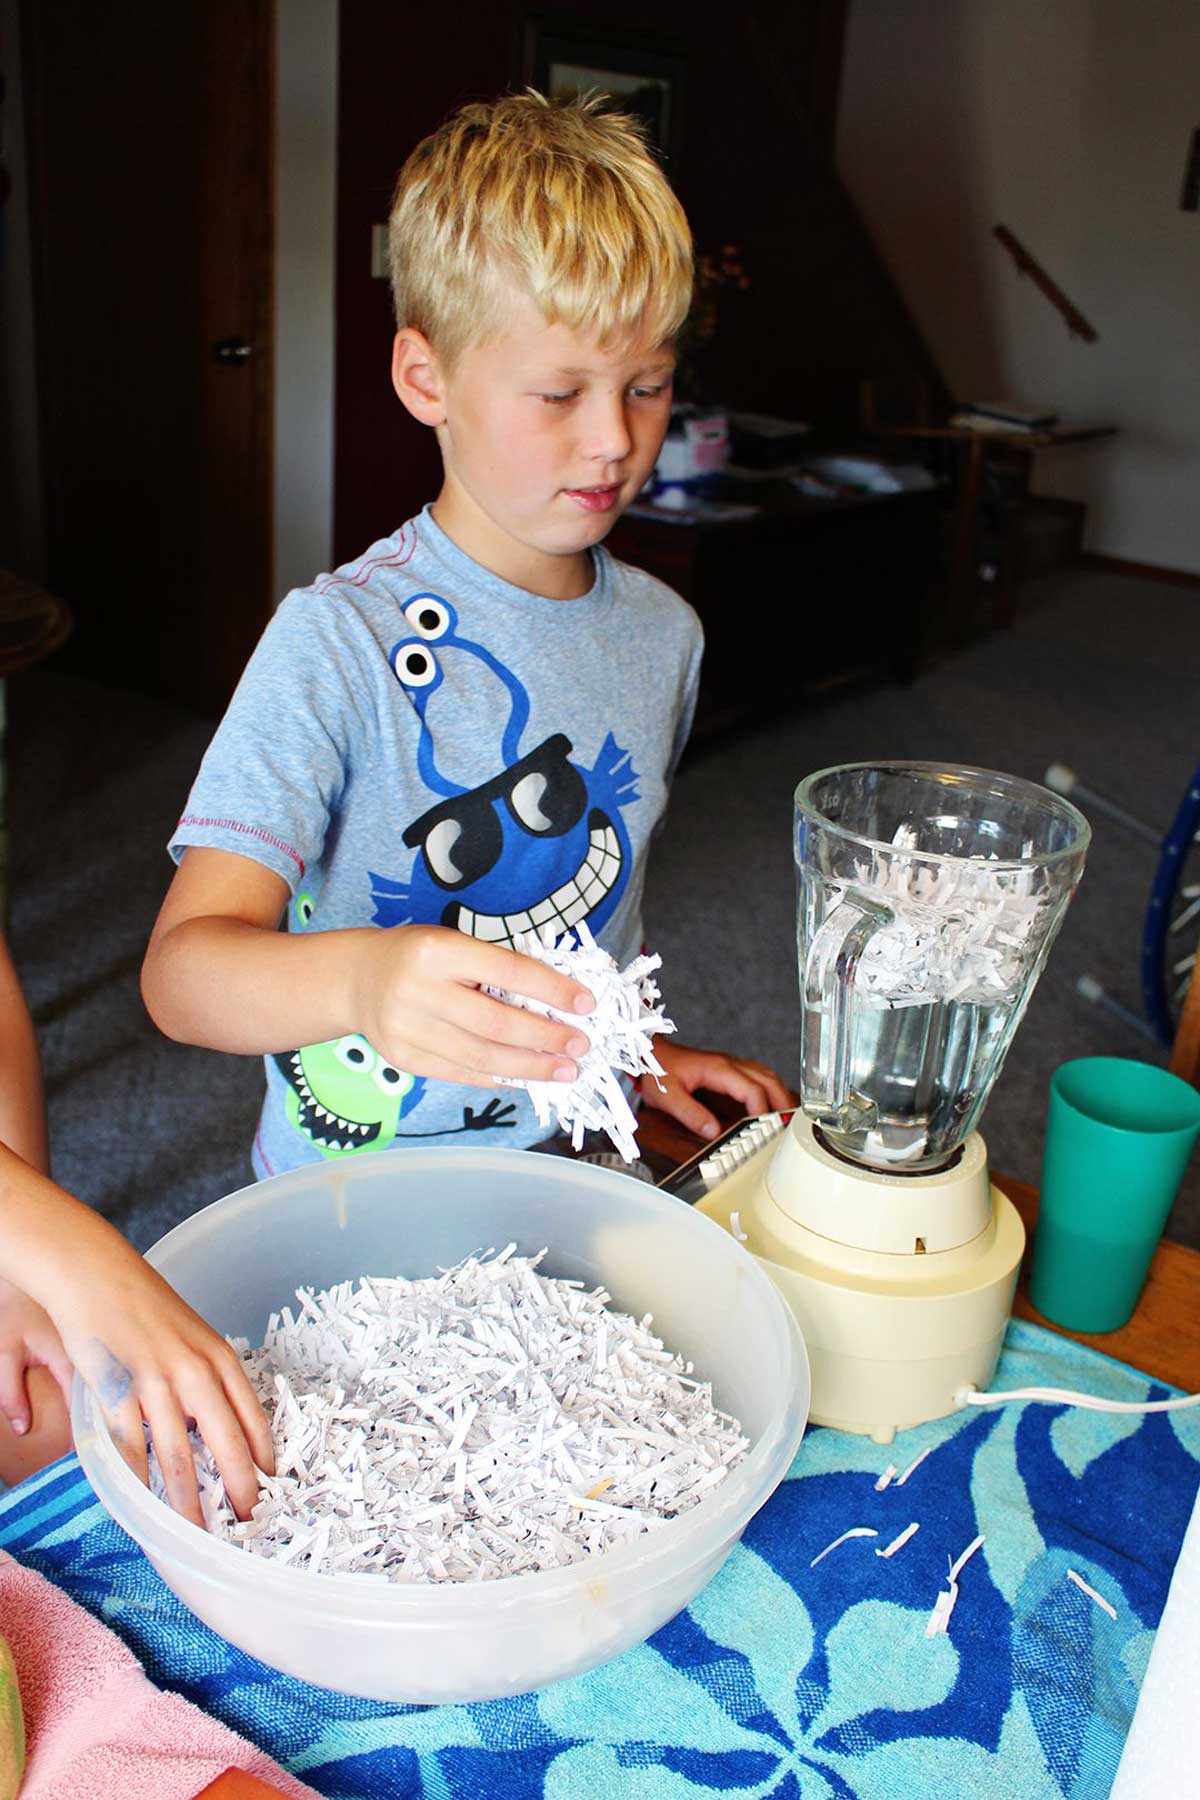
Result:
x=974 y=447
x=1163 y=1336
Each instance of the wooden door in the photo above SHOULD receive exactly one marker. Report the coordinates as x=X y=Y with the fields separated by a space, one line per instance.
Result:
x=151 y=136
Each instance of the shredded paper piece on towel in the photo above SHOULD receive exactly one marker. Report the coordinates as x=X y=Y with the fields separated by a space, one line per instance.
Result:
x=898 y=1543
x=626 y=1018
x=854 y=1531
x=939 y=1618
x=889 y=1474
x=958 y=931
x=1091 y=1593
x=913 y=1466
x=480 y=1423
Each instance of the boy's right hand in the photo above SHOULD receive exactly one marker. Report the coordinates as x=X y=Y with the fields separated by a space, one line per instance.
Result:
x=418 y=997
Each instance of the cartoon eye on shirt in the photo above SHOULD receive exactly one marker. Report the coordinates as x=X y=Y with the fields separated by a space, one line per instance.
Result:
x=463 y=837
x=413 y=662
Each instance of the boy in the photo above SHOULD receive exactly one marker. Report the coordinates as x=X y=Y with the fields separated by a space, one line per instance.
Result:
x=471 y=730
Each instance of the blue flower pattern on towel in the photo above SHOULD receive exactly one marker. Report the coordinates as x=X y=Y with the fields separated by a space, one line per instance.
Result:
x=780 y=1681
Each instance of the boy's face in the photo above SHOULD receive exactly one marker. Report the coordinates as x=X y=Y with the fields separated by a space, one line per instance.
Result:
x=546 y=438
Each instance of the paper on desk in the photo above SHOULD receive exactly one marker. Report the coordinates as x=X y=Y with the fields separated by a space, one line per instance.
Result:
x=1159 y=1759
x=694 y=509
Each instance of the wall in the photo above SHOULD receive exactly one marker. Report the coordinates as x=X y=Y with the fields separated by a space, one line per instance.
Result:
x=305 y=195
x=1069 y=123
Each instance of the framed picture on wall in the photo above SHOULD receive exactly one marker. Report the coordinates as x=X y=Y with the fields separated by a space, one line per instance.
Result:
x=644 y=75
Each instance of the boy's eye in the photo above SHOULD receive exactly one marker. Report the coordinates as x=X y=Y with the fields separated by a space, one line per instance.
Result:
x=650 y=393
x=558 y=399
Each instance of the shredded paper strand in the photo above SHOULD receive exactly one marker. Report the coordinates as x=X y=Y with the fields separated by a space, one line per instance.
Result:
x=622 y=1026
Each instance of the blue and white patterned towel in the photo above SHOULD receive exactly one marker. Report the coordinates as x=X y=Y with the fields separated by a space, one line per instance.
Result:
x=779 y=1680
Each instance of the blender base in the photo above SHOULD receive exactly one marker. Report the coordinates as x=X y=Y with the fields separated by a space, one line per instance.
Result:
x=897 y=1322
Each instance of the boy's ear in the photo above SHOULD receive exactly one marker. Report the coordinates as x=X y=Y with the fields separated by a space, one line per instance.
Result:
x=417 y=376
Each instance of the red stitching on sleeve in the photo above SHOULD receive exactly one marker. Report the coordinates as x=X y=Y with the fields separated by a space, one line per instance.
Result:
x=262 y=1155
x=396 y=560
x=265 y=837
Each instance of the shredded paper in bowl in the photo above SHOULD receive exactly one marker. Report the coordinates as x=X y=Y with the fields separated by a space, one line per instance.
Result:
x=483 y=1422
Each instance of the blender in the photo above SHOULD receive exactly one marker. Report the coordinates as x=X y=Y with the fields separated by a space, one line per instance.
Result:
x=927 y=901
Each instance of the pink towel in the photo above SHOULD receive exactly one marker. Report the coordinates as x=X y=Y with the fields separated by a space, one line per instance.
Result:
x=95 y=1724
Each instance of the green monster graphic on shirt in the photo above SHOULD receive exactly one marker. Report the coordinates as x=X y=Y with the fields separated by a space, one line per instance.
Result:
x=344 y=1096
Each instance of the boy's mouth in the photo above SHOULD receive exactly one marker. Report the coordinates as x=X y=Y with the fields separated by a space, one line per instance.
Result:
x=595 y=499
x=578 y=896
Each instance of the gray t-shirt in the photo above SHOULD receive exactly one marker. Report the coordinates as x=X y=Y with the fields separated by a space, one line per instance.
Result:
x=417 y=741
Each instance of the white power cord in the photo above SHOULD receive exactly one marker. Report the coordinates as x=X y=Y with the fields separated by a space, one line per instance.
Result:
x=969 y=1396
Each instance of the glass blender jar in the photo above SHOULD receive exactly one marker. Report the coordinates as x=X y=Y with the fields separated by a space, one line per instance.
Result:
x=927 y=902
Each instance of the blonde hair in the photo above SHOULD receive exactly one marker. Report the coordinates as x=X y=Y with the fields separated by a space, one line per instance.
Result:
x=560 y=197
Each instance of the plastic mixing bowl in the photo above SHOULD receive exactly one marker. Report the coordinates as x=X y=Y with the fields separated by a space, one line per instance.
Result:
x=406 y=1213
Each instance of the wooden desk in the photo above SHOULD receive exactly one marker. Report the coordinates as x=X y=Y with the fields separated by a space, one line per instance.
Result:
x=803 y=594
x=975 y=447
x=1163 y=1336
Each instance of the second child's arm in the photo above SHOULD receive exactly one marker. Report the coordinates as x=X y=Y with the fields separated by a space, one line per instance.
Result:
x=22 y=1106
x=84 y=1296
x=218 y=972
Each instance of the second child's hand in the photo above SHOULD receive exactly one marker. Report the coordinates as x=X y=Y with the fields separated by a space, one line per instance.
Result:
x=76 y=1293
x=147 y=1356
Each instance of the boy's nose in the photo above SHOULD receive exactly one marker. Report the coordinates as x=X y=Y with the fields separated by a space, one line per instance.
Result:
x=610 y=439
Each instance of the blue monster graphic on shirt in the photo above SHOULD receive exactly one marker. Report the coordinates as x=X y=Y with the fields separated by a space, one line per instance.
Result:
x=540 y=843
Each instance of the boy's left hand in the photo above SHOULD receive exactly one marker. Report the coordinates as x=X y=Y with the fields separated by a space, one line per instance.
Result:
x=758 y=1088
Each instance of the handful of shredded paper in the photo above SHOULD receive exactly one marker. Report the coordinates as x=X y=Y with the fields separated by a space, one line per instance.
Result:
x=484 y=1422
x=626 y=1018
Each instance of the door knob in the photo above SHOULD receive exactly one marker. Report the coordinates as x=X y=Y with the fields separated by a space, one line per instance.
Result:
x=232 y=350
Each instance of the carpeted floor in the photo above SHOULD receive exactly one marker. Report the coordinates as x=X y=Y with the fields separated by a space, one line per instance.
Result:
x=1101 y=671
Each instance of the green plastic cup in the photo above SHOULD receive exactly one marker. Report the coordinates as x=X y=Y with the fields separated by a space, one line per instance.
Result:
x=1118 y=1138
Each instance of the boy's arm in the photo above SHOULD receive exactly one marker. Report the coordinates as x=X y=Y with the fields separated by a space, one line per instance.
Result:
x=218 y=972
x=22 y=1105
x=757 y=1087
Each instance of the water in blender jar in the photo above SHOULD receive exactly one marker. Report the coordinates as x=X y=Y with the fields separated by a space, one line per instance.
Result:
x=927 y=901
